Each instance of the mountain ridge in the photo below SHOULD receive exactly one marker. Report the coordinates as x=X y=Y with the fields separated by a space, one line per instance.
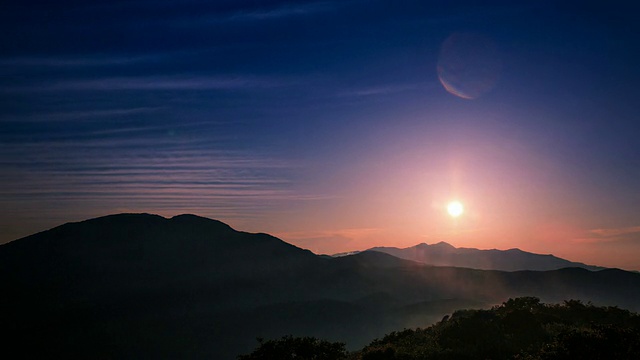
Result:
x=143 y=286
x=514 y=259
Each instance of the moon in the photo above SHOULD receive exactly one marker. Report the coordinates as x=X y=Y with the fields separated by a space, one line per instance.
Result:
x=468 y=65
x=455 y=208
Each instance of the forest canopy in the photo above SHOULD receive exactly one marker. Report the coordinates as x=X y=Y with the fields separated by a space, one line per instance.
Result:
x=520 y=329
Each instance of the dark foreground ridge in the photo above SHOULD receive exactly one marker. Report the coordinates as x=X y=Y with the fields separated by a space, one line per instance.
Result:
x=146 y=287
x=521 y=328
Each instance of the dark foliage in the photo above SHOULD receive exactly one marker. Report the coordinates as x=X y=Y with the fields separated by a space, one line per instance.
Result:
x=521 y=328
x=299 y=348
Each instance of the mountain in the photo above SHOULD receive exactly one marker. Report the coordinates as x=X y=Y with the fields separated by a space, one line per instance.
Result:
x=444 y=254
x=146 y=287
x=161 y=284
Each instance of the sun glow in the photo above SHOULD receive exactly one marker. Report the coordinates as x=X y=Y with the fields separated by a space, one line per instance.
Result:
x=455 y=208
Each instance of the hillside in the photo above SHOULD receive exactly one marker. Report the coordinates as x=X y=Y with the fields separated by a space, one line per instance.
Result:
x=444 y=254
x=145 y=287
x=521 y=328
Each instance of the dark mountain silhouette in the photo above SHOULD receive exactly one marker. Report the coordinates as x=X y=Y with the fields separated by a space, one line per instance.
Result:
x=145 y=287
x=520 y=328
x=444 y=254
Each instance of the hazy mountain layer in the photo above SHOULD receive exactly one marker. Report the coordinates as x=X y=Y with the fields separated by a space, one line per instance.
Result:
x=444 y=254
x=142 y=286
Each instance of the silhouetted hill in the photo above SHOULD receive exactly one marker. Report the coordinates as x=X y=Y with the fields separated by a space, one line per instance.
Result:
x=145 y=287
x=142 y=279
x=444 y=254
x=521 y=328
x=429 y=282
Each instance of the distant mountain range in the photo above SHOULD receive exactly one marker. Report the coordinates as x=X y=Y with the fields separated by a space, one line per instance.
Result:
x=444 y=254
x=140 y=286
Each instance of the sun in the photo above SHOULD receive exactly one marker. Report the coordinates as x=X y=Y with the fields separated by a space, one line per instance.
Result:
x=455 y=208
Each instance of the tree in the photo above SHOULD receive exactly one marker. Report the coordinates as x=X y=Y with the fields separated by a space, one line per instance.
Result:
x=298 y=348
x=521 y=328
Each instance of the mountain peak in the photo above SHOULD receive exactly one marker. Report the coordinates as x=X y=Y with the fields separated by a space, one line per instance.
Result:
x=445 y=254
x=195 y=219
x=443 y=244
x=191 y=217
x=126 y=217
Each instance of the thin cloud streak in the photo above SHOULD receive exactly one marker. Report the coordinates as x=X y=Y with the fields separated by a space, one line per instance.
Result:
x=381 y=90
x=609 y=235
x=93 y=60
x=174 y=176
x=284 y=11
x=179 y=137
x=141 y=168
x=154 y=83
x=327 y=241
x=70 y=116
x=256 y=15
x=616 y=231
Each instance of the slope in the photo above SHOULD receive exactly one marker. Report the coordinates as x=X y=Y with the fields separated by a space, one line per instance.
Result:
x=145 y=287
x=444 y=254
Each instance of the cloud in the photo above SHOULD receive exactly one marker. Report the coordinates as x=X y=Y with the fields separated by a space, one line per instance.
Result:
x=350 y=233
x=381 y=90
x=612 y=232
x=607 y=235
x=331 y=241
x=261 y=13
x=80 y=61
x=143 y=168
x=152 y=83
x=84 y=115
x=283 y=11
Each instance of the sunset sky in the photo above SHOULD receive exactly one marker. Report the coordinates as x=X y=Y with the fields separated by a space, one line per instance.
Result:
x=326 y=123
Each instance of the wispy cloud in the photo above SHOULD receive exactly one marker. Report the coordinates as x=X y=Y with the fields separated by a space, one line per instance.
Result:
x=331 y=241
x=283 y=11
x=74 y=115
x=604 y=235
x=613 y=232
x=380 y=90
x=80 y=61
x=149 y=169
x=151 y=83
x=261 y=13
x=350 y=234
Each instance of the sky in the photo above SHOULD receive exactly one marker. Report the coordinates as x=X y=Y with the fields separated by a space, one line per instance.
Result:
x=334 y=125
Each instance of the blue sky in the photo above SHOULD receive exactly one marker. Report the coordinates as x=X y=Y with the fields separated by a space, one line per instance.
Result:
x=325 y=122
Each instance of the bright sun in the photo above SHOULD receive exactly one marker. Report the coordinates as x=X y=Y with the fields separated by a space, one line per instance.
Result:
x=455 y=208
